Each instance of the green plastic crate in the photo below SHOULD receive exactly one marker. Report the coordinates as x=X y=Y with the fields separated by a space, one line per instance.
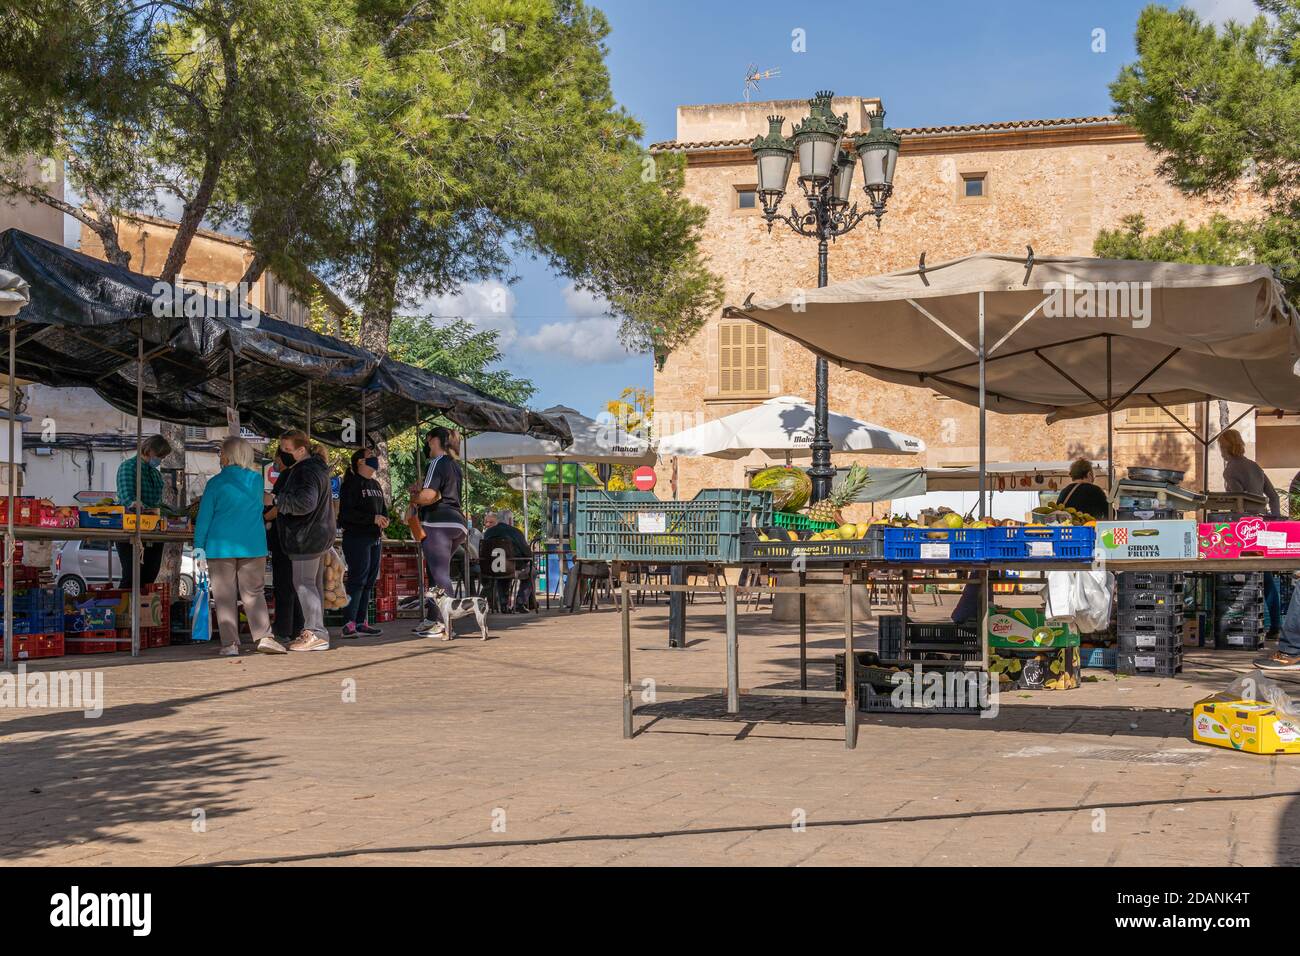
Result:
x=637 y=526
x=799 y=522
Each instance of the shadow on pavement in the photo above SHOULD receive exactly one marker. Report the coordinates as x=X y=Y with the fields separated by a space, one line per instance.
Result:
x=67 y=788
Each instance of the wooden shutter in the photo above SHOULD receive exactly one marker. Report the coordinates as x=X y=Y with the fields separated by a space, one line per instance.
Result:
x=742 y=359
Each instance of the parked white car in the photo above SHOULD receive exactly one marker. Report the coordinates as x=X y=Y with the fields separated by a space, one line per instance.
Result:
x=79 y=564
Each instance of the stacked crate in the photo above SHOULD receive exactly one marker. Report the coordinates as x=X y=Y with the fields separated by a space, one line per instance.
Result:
x=1149 y=623
x=38 y=623
x=403 y=571
x=1240 y=615
x=385 y=599
x=155 y=618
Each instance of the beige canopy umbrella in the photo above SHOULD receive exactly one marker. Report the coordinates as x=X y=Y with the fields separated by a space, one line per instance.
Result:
x=1065 y=337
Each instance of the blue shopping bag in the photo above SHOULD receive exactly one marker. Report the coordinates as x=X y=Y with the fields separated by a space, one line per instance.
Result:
x=200 y=615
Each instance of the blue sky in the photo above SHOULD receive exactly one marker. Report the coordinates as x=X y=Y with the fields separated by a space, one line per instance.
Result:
x=934 y=63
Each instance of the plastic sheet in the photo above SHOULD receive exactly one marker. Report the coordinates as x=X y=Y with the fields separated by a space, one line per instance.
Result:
x=85 y=315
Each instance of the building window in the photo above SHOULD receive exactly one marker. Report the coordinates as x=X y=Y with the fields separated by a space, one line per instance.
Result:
x=742 y=359
x=1156 y=415
x=745 y=201
x=973 y=187
x=196 y=433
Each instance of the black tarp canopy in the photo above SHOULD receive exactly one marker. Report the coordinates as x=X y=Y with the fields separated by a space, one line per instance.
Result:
x=85 y=316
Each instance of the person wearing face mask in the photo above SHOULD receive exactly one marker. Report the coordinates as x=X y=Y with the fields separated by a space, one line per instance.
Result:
x=305 y=524
x=438 y=498
x=152 y=451
x=363 y=515
x=288 y=621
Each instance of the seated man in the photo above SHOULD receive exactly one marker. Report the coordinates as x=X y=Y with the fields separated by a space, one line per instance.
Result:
x=504 y=536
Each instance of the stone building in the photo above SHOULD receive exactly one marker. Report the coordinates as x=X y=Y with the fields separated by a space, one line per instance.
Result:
x=995 y=187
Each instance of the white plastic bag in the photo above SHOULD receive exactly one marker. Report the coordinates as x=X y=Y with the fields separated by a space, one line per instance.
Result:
x=1083 y=597
x=1255 y=686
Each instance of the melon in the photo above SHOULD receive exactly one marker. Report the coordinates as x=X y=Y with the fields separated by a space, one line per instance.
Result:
x=791 y=487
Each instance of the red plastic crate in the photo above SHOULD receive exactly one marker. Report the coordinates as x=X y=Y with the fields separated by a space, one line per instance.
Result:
x=382 y=617
x=386 y=603
x=32 y=646
x=93 y=642
x=155 y=637
x=386 y=587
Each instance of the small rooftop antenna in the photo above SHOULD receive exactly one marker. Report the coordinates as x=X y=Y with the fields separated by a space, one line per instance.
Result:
x=753 y=75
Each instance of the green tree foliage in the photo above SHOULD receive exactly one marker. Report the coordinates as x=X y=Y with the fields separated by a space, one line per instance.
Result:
x=1221 y=108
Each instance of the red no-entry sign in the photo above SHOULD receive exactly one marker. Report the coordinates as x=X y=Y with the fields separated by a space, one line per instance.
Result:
x=644 y=478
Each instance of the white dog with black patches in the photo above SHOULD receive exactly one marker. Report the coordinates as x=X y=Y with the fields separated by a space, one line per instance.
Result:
x=450 y=608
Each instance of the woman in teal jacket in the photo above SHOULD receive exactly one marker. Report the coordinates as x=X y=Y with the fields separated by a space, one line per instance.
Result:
x=230 y=535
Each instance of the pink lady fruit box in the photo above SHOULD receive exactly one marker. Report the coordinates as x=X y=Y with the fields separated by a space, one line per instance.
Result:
x=1250 y=537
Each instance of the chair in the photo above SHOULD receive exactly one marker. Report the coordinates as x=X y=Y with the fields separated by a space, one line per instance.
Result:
x=589 y=577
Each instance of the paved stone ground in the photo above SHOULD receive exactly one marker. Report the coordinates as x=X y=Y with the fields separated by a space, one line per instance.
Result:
x=443 y=739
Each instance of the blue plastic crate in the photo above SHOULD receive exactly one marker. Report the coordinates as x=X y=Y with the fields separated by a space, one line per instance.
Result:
x=637 y=526
x=38 y=611
x=951 y=544
x=1050 y=543
x=1100 y=658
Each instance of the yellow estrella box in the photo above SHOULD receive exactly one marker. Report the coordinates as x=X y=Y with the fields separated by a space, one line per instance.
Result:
x=1253 y=726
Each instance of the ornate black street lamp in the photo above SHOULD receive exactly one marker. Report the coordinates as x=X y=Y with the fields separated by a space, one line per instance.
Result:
x=826 y=179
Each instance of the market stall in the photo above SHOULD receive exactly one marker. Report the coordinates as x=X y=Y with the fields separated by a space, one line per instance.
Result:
x=1062 y=337
x=174 y=354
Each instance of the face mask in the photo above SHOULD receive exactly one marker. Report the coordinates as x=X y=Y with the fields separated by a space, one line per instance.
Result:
x=372 y=463
x=286 y=458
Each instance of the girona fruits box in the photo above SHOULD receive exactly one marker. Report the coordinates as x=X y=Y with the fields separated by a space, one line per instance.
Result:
x=1250 y=725
x=1249 y=537
x=1130 y=540
x=1028 y=627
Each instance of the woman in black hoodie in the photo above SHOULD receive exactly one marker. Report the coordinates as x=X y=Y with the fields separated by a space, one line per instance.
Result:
x=363 y=515
x=305 y=523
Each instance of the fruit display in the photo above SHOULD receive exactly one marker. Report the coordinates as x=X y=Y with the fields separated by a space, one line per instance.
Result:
x=335 y=567
x=791 y=487
x=1055 y=514
x=829 y=508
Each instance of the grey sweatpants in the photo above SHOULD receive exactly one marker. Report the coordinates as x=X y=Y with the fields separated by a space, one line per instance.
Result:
x=234 y=580
x=309 y=585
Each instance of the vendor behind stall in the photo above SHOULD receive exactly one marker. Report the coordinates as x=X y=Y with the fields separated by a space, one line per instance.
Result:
x=1082 y=492
x=1243 y=476
x=152 y=451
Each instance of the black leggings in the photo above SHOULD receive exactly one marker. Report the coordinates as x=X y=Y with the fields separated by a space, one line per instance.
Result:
x=439 y=545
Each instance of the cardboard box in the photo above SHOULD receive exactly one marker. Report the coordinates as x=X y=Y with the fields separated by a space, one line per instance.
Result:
x=1046 y=669
x=1249 y=537
x=1028 y=628
x=1248 y=725
x=1137 y=540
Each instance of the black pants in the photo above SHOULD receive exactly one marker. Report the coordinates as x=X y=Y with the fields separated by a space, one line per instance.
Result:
x=362 y=553
x=289 y=621
x=150 y=562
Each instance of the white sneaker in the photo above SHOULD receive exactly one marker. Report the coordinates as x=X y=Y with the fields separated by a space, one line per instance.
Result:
x=269 y=645
x=307 y=641
x=229 y=650
x=429 y=628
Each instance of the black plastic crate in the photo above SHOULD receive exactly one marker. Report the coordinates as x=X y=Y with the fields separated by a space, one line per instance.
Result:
x=891 y=636
x=864 y=659
x=1163 y=620
x=1139 y=580
x=1148 y=514
x=1232 y=579
x=1151 y=599
x=1249 y=639
x=1241 y=617
x=1149 y=664
x=936 y=640
x=881 y=702
x=1150 y=641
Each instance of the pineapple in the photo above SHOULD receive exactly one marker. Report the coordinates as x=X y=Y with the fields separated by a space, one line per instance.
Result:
x=828 y=509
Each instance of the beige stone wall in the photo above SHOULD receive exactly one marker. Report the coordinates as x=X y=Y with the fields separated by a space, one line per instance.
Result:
x=1050 y=189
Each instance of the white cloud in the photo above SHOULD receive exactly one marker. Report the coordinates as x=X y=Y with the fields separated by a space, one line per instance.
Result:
x=583 y=304
x=588 y=341
x=488 y=305
x=1221 y=11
